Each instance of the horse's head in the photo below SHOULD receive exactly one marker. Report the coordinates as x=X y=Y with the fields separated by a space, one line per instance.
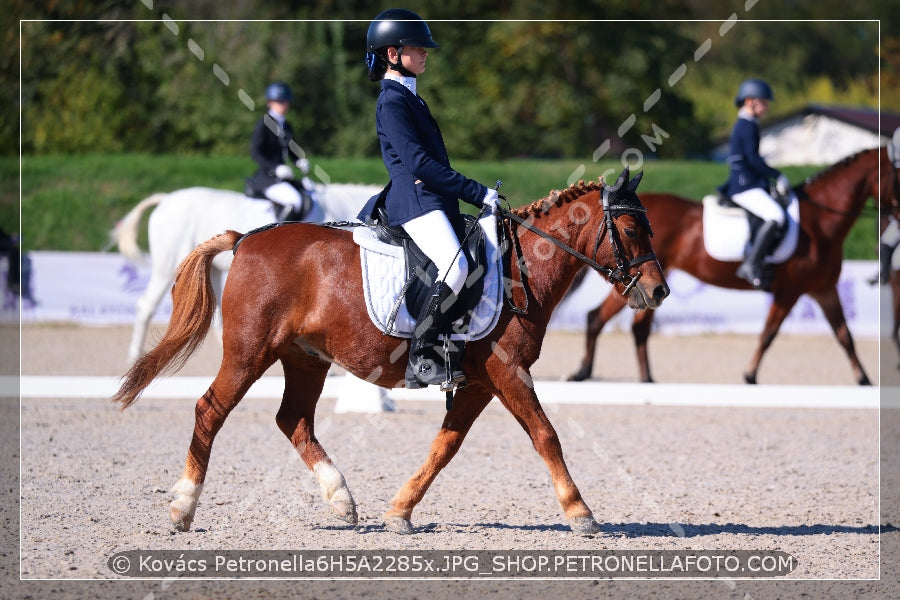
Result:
x=633 y=268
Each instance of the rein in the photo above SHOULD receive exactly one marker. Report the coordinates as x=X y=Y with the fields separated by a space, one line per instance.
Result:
x=620 y=273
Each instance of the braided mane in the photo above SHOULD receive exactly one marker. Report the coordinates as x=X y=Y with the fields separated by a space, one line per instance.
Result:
x=540 y=207
x=841 y=163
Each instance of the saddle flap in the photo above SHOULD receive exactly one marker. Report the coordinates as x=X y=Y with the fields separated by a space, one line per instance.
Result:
x=386 y=283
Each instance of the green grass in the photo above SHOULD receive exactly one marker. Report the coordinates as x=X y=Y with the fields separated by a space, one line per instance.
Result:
x=71 y=202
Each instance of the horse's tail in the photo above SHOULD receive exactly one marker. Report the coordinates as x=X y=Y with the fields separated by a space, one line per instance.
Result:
x=125 y=233
x=193 y=305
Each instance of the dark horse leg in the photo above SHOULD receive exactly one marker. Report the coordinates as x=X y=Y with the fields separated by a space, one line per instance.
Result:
x=834 y=312
x=640 y=329
x=304 y=378
x=778 y=312
x=596 y=320
x=831 y=307
x=895 y=302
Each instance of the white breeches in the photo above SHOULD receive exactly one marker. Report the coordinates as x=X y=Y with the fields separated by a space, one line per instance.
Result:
x=760 y=204
x=434 y=235
x=284 y=193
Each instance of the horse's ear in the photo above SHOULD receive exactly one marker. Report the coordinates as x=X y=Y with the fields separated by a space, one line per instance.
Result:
x=621 y=179
x=632 y=185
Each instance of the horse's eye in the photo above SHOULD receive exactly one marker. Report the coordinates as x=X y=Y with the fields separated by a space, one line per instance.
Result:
x=630 y=232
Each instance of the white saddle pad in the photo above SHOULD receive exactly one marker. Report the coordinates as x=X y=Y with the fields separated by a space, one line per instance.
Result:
x=384 y=274
x=726 y=232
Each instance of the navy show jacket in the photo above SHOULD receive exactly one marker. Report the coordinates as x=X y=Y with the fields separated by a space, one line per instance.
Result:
x=421 y=178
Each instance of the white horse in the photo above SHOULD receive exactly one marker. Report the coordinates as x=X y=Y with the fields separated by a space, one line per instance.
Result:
x=185 y=218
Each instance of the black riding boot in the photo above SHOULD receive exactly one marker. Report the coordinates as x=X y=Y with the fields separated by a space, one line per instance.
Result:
x=751 y=269
x=426 y=354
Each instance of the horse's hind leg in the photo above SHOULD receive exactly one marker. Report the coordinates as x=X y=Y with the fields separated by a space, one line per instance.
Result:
x=226 y=390
x=596 y=320
x=834 y=313
x=467 y=405
x=895 y=304
x=779 y=310
x=304 y=379
x=146 y=305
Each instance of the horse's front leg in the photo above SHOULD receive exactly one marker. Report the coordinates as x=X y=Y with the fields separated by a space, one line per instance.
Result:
x=778 y=312
x=467 y=405
x=596 y=320
x=304 y=379
x=519 y=398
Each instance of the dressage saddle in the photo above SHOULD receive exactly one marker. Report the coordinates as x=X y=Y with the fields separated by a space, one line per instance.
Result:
x=421 y=271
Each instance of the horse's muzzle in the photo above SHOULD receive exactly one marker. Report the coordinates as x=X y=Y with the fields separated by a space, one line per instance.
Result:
x=644 y=294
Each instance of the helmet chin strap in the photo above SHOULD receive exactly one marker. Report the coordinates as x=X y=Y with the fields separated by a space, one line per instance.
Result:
x=399 y=66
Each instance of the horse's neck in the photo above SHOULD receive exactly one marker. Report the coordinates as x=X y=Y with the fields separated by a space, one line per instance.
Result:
x=843 y=192
x=551 y=270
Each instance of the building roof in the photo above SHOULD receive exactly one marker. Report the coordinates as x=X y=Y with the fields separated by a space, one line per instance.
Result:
x=864 y=118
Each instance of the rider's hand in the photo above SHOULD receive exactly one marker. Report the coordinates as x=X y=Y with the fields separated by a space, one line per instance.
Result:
x=782 y=185
x=303 y=165
x=491 y=199
x=284 y=172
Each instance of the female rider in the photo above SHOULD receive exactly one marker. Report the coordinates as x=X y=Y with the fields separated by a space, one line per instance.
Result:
x=749 y=175
x=424 y=191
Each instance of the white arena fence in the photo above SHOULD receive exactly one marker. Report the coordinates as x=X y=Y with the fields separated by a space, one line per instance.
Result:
x=92 y=288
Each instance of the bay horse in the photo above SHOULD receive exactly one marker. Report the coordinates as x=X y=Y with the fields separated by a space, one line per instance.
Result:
x=830 y=203
x=280 y=301
x=184 y=218
x=894 y=282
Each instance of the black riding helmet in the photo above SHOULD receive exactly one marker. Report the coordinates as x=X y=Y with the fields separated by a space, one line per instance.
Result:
x=394 y=27
x=398 y=27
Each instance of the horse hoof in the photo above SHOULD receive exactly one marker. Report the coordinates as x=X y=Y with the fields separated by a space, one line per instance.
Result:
x=580 y=375
x=398 y=525
x=345 y=510
x=748 y=378
x=584 y=525
x=180 y=519
x=864 y=380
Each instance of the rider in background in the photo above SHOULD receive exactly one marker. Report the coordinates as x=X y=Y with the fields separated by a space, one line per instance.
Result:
x=749 y=175
x=273 y=148
x=424 y=191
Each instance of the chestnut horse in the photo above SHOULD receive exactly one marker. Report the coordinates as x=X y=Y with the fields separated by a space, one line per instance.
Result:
x=830 y=202
x=279 y=305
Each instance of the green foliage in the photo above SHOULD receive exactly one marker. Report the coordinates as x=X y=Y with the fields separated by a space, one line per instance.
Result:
x=500 y=88
x=71 y=203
